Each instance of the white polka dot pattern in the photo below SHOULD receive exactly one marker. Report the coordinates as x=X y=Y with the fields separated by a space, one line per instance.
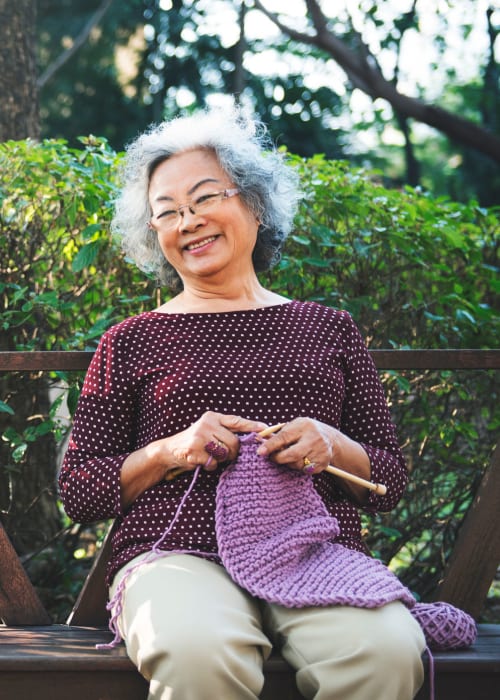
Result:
x=154 y=374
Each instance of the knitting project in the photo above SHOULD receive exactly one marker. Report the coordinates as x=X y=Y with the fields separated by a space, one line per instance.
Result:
x=276 y=540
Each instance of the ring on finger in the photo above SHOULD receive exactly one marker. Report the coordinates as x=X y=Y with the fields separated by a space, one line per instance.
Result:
x=309 y=466
x=217 y=449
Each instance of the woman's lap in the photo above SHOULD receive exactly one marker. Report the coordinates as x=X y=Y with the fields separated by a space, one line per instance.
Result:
x=194 y=634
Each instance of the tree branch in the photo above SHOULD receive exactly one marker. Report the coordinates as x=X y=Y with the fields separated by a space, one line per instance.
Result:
x=364 y=73
x=79 y=41
x=292 y=33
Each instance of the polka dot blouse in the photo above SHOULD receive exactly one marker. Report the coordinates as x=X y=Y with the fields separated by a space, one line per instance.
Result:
x=154 y=374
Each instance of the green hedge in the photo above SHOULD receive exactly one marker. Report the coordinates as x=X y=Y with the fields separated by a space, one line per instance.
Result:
x=414 y=271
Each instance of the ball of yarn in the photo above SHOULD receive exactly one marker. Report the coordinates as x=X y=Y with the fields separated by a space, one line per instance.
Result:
x=445 y=626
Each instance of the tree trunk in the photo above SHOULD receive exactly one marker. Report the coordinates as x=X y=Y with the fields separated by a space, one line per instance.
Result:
x=19 y=114
x=27 y=487
x=239 y=50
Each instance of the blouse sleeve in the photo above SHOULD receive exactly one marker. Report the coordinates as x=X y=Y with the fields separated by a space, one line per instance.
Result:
x=101 y=438
x=366 y=418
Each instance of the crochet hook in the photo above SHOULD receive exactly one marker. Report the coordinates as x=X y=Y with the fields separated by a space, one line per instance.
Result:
x=380 y=489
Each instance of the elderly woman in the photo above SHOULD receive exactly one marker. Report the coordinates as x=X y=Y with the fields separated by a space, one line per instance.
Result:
x=206 y=204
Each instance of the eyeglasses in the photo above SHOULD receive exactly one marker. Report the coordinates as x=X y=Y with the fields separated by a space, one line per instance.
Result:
x=169 y=219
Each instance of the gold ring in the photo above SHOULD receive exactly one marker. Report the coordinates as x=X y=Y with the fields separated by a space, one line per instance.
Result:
x=309 y=466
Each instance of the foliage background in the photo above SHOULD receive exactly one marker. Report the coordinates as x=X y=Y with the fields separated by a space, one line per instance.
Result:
x=151 y=59
x=414 y=270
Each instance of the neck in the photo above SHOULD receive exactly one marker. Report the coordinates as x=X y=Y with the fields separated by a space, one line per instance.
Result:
x=240 y=296
x=202 y=297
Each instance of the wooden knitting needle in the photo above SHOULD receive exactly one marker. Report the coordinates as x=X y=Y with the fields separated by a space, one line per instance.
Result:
x=380 y=489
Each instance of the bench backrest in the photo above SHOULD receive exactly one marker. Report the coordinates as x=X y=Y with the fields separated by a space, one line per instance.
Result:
x=469 y=571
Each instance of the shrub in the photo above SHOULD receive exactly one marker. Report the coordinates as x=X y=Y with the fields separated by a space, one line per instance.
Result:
x=414 y=271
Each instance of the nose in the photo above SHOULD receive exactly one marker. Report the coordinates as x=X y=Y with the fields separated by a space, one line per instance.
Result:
x=187 y=218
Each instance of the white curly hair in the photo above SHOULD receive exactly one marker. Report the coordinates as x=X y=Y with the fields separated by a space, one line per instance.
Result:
x=268 y=185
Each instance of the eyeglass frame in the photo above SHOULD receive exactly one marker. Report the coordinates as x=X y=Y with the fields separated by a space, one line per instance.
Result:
x=227 y=193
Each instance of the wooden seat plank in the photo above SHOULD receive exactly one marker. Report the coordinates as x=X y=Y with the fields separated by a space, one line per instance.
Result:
x=67 y=647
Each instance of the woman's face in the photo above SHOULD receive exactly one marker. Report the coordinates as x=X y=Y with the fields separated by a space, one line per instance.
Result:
x=209 y=242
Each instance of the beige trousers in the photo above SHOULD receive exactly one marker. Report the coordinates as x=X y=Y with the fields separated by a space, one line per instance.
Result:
x=195 y=635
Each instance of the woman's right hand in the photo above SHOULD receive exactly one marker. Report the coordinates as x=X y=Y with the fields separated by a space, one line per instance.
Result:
x=187 y=449
x=184 y=451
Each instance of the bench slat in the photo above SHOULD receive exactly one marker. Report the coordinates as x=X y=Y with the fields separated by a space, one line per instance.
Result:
x=39 y=360
x=89 y=609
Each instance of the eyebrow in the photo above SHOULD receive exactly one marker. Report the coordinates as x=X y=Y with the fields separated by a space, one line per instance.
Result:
x=191 y=190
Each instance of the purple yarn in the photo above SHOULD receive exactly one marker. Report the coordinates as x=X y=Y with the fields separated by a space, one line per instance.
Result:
x=276 y=540
x=444 y=626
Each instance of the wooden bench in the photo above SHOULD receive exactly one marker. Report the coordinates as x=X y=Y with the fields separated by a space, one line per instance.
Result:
x=48 y=661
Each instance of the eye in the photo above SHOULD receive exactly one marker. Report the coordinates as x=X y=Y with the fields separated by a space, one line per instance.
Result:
x=206 y=199
x=167 y=214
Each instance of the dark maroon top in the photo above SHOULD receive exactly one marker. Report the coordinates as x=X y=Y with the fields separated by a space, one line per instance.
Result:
x=154 y=374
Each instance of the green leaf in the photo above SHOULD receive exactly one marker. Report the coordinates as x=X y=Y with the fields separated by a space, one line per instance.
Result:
x=72 y=399
x=89 y=231
x=12 y=436
x=5 y=408
x=19 y=452
x=301 y=240
x=86 y=256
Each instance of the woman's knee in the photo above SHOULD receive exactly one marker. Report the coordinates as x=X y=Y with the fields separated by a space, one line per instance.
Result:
x=354 y=653
x=200 y=663
x=205 y=634
x=391 y=653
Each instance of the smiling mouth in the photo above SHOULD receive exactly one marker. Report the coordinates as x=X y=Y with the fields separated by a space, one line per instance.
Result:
x=200 y=244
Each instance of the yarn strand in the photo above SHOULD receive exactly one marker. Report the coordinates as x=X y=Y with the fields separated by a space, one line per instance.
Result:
x=115 y=605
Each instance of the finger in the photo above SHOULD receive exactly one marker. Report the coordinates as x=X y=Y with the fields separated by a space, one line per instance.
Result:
x=278 y=442
x=290 y=456
x=237 y=424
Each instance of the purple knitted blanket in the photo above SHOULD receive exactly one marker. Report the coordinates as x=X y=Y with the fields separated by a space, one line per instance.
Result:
x=277 y=540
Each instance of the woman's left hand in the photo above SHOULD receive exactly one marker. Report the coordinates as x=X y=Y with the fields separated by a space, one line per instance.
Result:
x=307 y=445
x=303 y=444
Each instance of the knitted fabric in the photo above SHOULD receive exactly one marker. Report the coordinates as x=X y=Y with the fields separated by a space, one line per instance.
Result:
x=276 y=540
